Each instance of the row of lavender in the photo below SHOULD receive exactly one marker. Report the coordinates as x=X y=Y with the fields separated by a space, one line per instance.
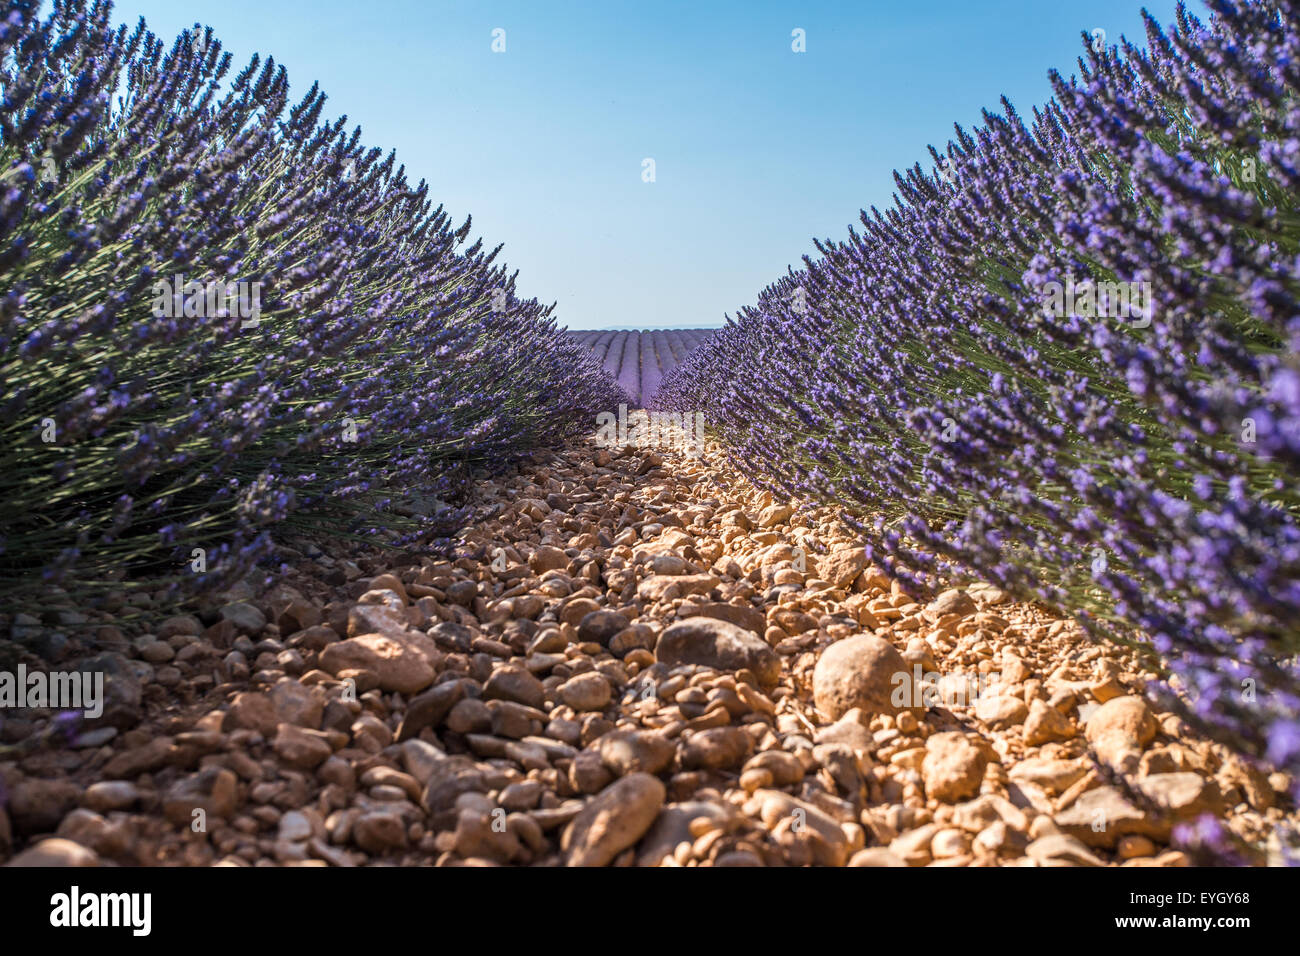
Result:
x=641 y=360
x=1068 y=362
x=220 y=316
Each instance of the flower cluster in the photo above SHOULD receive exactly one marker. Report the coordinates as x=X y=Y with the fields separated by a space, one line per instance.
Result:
x=1136 y=467
x=157 y=426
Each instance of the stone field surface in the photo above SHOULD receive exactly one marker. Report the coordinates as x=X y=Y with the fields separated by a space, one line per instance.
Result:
x=640 y=661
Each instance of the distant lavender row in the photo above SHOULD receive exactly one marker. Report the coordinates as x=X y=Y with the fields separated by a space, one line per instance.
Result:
x=1069 y=362
x=220 y=316
x=641 y=360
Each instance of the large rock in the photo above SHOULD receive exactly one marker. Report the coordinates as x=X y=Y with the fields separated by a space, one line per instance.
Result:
x=297 y=704
x=447 y=779
x=421 y=759
x=985 y=810
x=145 y=758
x=379 y=612
x=841 y=567
x=290 y=611
x=511 y=682
x=785 y=768
x=36 y=805
x=913 y=847
x=122 y=690
x=741 y=615
x=827 y=839
x=673 y=826
x=1185 y=795
x=247 y=618
x=613 y=820
x=398 y=666
x=462 y=593
x=876 y=856
x=1060 y=849
x=953 y=601
x=300 y=748
x=575 y=610
x=214 y=790
x=773 y=515
x=953 y=767
x=667 y=564
x=470 y=715
x=389 y=582
x=111 y=795
x=1054 y=776
x=720 y=645
x=718 y=748
x=379 y=831
x=111 y=839
x=251 y=710
x=1250 y=779
x=1001 y=711
x=1045 y=723
x=600 y=626
x=587 y=774
x=547 y=558
x=1101 y=816
x=633 y=751
x=865 y=672
x=56 y=851
x=851 y=730
x=430 y=708
x=476 y=838
x=659 y=587
x=1119 y=729
x=585 y=692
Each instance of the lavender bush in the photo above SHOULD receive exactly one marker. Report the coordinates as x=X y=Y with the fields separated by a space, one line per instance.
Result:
x=1128 y=451
x=221 y=317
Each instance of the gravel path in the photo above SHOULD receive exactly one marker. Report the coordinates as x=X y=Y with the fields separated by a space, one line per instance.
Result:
x=647 y=663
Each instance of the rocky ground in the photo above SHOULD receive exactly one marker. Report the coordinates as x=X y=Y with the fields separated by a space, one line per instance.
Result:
x=648 y=663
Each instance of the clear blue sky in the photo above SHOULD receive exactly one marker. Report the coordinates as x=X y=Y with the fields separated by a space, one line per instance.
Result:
x=757 y=149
